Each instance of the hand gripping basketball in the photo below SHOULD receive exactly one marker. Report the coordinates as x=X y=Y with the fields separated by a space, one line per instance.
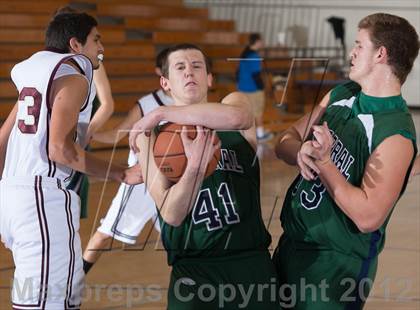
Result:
x=170 y=155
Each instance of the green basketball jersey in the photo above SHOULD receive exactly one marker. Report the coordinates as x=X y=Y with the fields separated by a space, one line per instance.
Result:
x=358 y=124
x=226 y=217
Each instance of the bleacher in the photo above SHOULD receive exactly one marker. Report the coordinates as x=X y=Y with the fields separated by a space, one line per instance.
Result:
x=133 y=31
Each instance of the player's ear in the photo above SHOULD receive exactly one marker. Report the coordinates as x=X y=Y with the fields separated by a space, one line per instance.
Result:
x=381 y=55
x=209 y=80
x=164 y=83
x=75 y=45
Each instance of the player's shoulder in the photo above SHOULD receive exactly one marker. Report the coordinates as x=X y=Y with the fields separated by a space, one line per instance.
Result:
x=236 y=98
x=345 y=90
x=152 y=98
x=145 y=98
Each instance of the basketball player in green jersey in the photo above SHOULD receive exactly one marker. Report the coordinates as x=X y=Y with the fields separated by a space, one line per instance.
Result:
x=212 y=228
x=354 y=165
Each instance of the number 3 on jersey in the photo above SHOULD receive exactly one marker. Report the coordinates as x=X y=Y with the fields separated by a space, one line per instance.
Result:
x=205 y=212
x=28 y=110
x=312 y=200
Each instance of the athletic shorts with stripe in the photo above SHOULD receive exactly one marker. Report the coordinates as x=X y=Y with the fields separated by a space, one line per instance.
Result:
x=130 y=210
x=133 y=206
x=39 y=222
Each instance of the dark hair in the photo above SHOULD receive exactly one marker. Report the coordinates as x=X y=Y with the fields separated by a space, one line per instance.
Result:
x=179 y=47
x=253 y=37
x=65 y=9
x=160 y=58
x=399 y=38
x=65 y=26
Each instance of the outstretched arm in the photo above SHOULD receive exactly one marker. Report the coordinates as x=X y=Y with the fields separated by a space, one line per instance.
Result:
x=234 y=113
x=121 y=130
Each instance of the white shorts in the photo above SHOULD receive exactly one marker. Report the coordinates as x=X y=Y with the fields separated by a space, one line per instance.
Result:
x=130 y=210
x=39 y=222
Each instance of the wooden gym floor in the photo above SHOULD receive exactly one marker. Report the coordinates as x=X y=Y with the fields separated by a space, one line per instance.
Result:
x=137 y=277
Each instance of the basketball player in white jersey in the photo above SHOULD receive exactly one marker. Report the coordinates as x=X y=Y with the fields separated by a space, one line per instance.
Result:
x=40 y=146
x=132 y=207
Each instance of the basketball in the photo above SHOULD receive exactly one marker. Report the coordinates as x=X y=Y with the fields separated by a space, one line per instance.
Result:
x=169 y=152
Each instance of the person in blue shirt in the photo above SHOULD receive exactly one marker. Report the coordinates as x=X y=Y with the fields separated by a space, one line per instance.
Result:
x=250 y=81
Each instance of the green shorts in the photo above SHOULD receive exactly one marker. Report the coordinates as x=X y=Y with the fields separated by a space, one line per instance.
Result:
x=245 y=281
x=321 y=279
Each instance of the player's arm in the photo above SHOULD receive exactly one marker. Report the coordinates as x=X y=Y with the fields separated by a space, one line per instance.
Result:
x=121 y=130
x=368 y=205
x=235 y=113
x=68 y=95
x=290 y=141
x=5 y=130
x=103 y=91
x=175 y=201
x=242 y=101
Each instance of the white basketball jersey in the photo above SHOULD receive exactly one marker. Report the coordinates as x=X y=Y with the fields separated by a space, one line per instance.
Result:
x=27 y=148
x=147 y=104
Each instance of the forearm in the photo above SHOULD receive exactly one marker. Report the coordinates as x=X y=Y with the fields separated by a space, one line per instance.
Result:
x=174 y=201
x=180 y=198
x=121 y=130
x=287 y=147
x=352 y=200
x=211 y=115
x=290 y=142
x=101 y=116
x=109 y=136
x=103 y=90
x=74 y=157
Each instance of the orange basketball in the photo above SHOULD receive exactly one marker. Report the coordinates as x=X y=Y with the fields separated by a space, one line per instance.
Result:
x=169 y=151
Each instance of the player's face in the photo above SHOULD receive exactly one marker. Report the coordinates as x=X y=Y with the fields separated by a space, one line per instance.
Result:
x=362 y=57
x=93 y=47
x=187 y=80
